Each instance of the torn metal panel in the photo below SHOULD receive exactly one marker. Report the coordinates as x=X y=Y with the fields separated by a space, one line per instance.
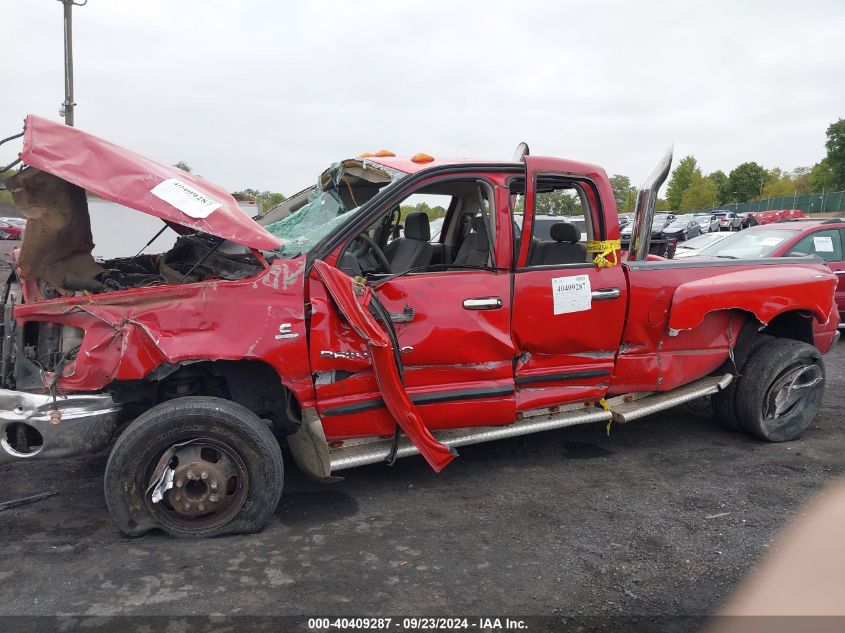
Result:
x=352 y=300
x=127 y=335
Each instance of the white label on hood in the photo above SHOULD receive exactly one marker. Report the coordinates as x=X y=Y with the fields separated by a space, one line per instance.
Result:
x=188 y=200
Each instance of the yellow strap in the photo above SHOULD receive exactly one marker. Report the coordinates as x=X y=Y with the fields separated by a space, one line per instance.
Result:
x=603 y=250
x=606 y=407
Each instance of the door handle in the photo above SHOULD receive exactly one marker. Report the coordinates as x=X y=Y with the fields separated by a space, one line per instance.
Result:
x=839 y=272
x=483 y=303
x=606 y=294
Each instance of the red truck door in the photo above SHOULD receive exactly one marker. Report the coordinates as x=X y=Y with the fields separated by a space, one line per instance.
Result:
x=452 y=327
x=568 y=314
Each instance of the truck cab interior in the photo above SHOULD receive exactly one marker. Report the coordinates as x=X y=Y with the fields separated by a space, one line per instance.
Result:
x=400 y=240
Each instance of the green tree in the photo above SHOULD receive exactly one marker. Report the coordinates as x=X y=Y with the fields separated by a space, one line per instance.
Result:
x=836 y=152
x=622 y=191
x=822 y=177
x=432 y=212
x=269 y=199
x=701 y=194
x=181 y=164
x=661 y=205
x=557 y=202
x=5 y=197
x=722 y=186
x=680 y=181
x=747 y=181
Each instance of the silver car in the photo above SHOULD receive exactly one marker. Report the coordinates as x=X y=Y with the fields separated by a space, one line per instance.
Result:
x=707 y=221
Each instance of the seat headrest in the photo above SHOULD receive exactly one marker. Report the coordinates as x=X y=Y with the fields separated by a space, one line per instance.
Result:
x=416 y=226
x=564 y=232
x=478 y=226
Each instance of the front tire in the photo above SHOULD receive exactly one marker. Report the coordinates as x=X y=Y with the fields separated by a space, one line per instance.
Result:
x=781 y=390
x=225 y=465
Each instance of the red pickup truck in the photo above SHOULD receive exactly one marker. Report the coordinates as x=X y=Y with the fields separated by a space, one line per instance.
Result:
x=354 y=342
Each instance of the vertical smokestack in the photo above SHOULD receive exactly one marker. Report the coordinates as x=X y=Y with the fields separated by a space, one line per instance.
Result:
x=644 y=212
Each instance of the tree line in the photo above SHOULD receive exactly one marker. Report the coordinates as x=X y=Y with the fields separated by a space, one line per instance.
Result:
x=689 y=189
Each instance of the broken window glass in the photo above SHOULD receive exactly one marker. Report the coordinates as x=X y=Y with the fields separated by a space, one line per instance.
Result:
x=341 y=190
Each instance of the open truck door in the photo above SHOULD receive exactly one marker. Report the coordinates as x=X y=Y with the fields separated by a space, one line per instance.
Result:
x=568 y=310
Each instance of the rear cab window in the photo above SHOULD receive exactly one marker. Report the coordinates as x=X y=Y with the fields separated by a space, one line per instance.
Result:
x=824 y=244
x=562 y=221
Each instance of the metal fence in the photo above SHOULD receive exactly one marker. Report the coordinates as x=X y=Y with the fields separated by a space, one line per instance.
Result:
x=809 y=203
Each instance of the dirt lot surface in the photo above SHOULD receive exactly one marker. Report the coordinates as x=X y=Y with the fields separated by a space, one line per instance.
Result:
x=662 y=517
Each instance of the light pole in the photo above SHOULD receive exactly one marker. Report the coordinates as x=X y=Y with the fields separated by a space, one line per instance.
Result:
x=68 y=104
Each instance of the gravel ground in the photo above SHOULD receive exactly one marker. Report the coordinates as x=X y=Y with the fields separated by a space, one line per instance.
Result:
x=661 y=518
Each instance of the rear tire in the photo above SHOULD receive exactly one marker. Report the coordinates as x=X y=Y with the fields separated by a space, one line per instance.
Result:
x=724 y=402
x=226 y=464
x=781 y=390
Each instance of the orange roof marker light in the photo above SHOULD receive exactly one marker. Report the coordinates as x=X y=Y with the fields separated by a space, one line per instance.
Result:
x=421 y=158
x=366 y=155
x=383 y=153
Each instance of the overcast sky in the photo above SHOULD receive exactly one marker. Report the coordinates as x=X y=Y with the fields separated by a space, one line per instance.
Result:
x=265 y=94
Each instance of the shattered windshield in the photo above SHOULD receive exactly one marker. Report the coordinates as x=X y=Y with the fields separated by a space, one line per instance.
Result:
x=341 y=189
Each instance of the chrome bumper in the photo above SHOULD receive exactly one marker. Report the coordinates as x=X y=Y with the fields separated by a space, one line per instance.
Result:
x=35 y=426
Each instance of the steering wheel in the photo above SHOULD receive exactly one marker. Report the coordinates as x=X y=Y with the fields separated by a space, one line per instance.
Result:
x=376 y=250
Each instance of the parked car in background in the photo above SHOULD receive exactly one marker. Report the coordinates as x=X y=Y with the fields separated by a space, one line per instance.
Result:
x=693 y=247
x=11 y=228
x=661 y=221
x=728 y=220
x=745 y=218
x=625 y=219
x=707 y=221
x=823 y=239
x=682 y=228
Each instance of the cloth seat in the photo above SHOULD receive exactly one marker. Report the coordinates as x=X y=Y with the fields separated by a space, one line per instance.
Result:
x=414 y=249
x=564 y=249
x=475 y=249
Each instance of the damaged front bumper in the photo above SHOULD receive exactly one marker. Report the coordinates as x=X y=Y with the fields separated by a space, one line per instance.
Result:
x=37 y=426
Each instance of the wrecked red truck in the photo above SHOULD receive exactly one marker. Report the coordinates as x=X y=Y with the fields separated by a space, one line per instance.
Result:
x=337 y=326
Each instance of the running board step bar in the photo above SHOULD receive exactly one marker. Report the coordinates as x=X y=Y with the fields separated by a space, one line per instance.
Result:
x=627 y=408
x=622 y=409
x=378 y=451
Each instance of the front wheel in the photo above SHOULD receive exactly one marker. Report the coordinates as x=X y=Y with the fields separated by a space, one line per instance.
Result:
x=781 y=390
x=194 y=467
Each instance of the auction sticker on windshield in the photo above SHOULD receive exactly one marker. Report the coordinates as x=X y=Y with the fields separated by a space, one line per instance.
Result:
x=188 y=200
x=823 y=244
x=571 y=294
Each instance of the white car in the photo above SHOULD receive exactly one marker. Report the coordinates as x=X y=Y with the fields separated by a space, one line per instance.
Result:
x=693 y=247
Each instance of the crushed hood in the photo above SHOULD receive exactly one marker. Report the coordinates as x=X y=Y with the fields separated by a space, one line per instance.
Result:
x=122 y=176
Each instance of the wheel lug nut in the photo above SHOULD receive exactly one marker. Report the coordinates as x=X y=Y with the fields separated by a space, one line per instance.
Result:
x=177 y=498
x=187 y=507
x=180 y=483
x=204 y=474
x=213 y=485
x=214 y=498
x=201 y=507
x=191 y=475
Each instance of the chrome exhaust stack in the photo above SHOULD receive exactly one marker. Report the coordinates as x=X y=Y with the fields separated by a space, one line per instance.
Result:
x=644 y=212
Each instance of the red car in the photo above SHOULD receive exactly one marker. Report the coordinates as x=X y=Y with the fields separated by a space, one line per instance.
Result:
x=824 y=239
x=332 y=331
x=11 y=228
x=775 y=215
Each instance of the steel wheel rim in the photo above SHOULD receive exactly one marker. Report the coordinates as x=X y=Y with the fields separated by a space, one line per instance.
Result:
x=210 y=485
x=790 y=388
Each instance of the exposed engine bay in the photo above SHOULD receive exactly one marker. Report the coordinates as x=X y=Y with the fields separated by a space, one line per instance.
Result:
x=56 y=252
